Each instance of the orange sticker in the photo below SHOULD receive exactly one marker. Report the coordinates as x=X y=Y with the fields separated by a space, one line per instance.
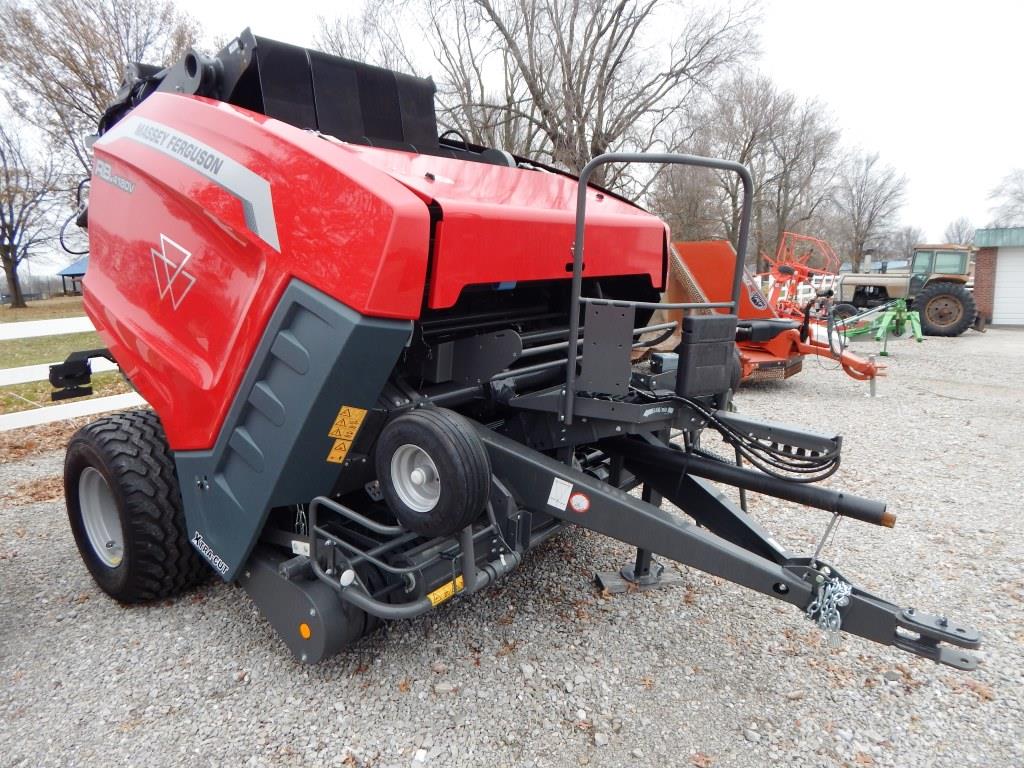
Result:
x=347 y=423
x=446 y=591
x=339 y=451
x=344 y=430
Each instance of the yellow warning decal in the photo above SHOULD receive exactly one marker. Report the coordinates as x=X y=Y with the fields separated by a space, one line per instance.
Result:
x=344 y=430
x=339 y=451
x=446 y=591
x=347 y=423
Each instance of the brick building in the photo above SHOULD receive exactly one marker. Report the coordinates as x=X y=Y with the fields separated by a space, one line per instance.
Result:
x=999 y=275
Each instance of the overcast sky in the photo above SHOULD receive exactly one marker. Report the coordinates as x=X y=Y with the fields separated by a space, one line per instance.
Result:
x=932 y=85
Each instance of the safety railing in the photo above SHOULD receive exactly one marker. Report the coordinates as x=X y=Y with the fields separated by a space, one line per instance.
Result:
x=577 y=300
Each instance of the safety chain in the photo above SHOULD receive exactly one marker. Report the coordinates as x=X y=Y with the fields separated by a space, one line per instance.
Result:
x=833 y=594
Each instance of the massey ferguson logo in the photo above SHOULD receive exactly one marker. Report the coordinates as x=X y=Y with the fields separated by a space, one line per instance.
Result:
x=169 y=267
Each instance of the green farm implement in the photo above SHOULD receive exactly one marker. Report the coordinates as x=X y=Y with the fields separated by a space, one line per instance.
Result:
x=889 y=319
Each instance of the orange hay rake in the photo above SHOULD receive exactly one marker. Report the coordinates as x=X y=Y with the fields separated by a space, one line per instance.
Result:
x=771 y=344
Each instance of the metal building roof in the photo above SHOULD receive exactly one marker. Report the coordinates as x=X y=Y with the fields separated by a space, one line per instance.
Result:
x=1000 y=237
x=77 y=269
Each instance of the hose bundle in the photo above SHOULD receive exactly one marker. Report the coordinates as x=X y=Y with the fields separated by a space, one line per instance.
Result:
x=779 y=461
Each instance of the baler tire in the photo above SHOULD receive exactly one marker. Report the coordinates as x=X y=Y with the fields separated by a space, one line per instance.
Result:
x=954 y=291
x=463 y=469
x=130 y=452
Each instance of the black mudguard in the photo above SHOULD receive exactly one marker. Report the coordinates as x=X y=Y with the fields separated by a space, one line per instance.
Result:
x=318 y=368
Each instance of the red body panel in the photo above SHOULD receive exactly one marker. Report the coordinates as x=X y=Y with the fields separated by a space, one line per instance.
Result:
x=181 y=286
x=344 y=228
x=504 y=224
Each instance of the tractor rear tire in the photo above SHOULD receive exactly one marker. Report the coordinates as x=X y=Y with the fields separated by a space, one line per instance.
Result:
x=124 y=506
x=945 y=308
x=433 y=471
x=844 y=311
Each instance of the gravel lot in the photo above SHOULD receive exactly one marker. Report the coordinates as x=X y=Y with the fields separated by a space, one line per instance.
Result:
x=543 y=671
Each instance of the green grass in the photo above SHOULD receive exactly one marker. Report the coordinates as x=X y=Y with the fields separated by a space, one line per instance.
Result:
x=22 y=397
x=46 y=309
x=45 y=349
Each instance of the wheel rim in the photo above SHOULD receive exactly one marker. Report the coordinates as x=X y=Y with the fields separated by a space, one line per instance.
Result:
x=99 y=517
x=414 y=477
x=944 y=310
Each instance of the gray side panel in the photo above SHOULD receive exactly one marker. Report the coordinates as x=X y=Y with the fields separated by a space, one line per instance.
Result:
x=315 y=356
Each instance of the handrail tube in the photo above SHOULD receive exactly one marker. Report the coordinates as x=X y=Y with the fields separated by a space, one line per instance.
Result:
x=577 y=252
x=355 y=517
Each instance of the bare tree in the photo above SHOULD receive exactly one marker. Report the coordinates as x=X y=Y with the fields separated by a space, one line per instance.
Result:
x=960 y=232
x=739 y=123
x=802 y=169
x=566 y=80
x=63 y=60
x=483 y=92
x=28 y=194
x=1008 y=196
x=689 y=199
x=899 y=243
x=868 y=195
x=374 y=34
x=595 y=81
x=787 y=144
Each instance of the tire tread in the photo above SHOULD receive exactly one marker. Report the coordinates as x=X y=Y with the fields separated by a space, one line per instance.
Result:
x=163 y=561
x=936 y=288
x=456 y=431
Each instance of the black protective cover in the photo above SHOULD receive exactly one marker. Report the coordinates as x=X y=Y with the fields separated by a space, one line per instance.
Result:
x=705 y=355
x=340 y=97
x=343 y=98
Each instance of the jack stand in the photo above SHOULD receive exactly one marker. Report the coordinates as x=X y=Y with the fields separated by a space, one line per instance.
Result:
x=644 y=573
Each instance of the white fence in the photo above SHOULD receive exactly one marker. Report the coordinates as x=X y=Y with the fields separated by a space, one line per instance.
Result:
x=34 y=328
x=69 y=410
x=29 y=373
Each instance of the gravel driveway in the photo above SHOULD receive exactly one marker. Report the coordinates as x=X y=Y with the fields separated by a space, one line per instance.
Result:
x=543 y=671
